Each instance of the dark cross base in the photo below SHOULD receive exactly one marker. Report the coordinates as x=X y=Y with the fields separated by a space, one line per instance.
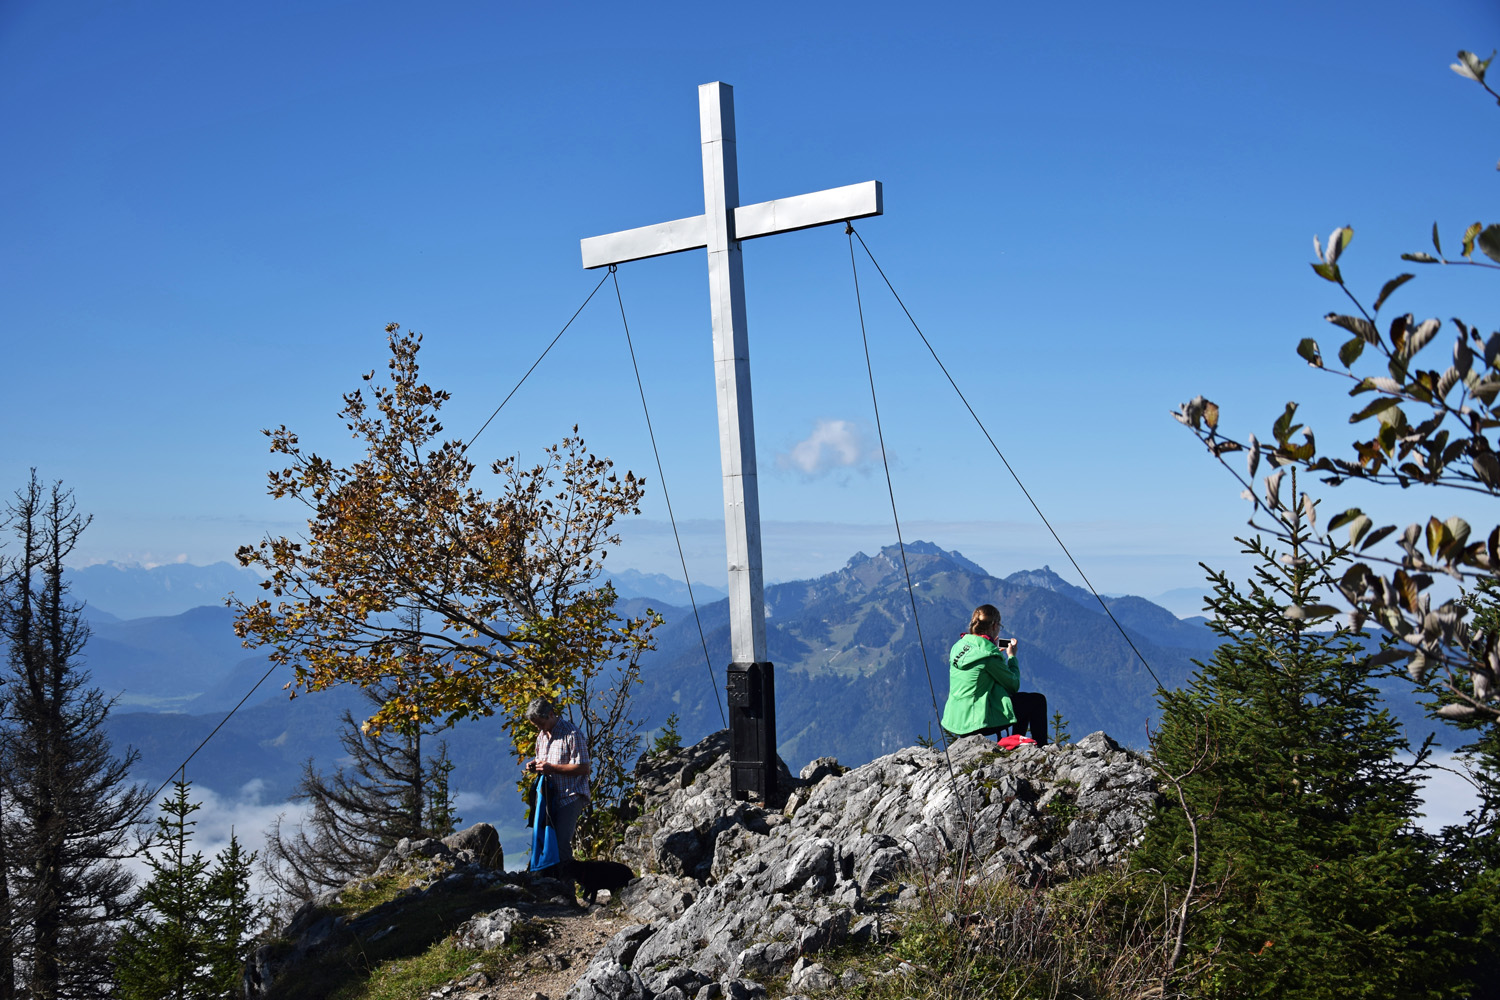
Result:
x=752 y=731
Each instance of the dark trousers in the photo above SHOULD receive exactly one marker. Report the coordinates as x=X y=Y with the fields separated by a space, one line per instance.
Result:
x=1031 y=718
x=564 y=822
x=1031 y=715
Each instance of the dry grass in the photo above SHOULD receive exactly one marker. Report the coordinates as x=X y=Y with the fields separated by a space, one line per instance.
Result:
x=998 y=939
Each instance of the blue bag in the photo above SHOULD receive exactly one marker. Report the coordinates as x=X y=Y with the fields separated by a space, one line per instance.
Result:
x=544 y=853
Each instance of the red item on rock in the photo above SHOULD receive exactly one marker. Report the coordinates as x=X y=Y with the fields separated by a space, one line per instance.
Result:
x=1011 y=742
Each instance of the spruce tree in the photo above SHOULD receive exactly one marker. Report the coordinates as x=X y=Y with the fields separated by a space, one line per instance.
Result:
x=1312 y=879
x=235 y=917
x=387 y=792
x=8 y=928
x=193 y=922
x=68 y=806
x=440 y=816
x=162 y=953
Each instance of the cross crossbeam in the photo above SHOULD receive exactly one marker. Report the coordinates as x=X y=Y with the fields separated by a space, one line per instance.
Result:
x=767 y=218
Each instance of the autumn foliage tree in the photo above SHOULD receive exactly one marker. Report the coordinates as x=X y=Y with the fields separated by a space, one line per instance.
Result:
x=504 y=587
x=1428 y=423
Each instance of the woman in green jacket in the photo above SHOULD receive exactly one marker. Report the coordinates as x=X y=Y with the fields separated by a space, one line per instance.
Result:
x=984 y=681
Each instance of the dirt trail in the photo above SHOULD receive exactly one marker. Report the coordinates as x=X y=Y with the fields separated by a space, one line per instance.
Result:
x=551 y=967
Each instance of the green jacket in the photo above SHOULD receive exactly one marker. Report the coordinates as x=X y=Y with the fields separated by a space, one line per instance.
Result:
x=981 y=680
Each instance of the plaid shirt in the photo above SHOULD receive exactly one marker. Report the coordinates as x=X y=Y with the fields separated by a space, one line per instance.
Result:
x=565 y=745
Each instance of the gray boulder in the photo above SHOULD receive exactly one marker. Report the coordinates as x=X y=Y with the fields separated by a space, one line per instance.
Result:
x=777 y=888
x=658 y=897
x=810 y=977
x=488 y=931
x=406 y=848
x=684 y=805
x=482 y=842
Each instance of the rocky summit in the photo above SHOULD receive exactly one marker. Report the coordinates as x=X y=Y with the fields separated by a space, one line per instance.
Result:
x=734 y=895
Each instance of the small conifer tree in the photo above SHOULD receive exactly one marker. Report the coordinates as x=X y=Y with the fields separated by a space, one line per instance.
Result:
x=385 y=792
x=1298 y=805
x=193 y=921
x=441 y=809
x=235 y=916
x=162 y=952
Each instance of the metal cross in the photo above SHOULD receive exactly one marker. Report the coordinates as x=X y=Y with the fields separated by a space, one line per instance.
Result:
x=722 y=226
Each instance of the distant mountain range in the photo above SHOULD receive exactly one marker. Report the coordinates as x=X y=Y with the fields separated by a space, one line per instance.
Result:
x=660 y=588
x=1184 y=602
x=114 y=591
x=172 y=662
x=853 y=679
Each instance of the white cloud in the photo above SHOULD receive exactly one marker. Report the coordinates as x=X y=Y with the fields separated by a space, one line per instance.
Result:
x=148 y=561
x=833 y=444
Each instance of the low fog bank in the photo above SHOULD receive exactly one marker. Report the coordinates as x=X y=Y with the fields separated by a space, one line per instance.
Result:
x=245 y=813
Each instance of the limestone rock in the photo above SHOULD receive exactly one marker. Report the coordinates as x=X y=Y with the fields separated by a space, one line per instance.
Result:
x=734 y=894
x=810 y=977
x=482 y=841
x=621 y=949
x=684 y=803
x=436 y=878
x=656 y=897
x=608 y=983
x=406 y=847
x=742 y=989
x=487 y=931
x=680 y=977
x=822 y=767
x=776 y=889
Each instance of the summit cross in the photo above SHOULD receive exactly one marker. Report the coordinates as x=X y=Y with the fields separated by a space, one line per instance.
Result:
x=721 y=228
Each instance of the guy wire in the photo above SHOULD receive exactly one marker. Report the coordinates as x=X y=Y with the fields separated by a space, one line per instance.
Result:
x=1144 y=662
x=667 y=496
x=492 y=416
x=911 y=592
x=537 y=361
x=182 y=768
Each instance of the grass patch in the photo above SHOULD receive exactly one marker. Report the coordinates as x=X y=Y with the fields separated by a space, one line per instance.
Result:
x=1062 y=808
x=415 y=977
x=999 y=939
x=383 y=889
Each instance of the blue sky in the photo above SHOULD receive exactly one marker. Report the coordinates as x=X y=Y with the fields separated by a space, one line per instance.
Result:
x=1095 y=210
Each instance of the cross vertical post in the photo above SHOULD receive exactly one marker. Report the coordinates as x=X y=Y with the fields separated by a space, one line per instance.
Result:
x=726 y=289
x=720 y=229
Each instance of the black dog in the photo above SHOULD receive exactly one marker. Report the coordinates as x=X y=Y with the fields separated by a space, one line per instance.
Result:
x=596 y=875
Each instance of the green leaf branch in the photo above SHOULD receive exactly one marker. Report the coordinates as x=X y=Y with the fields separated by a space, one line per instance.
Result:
x=1425 y=422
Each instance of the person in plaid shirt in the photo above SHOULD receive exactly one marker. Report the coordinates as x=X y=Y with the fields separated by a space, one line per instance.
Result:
x=562 y=753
